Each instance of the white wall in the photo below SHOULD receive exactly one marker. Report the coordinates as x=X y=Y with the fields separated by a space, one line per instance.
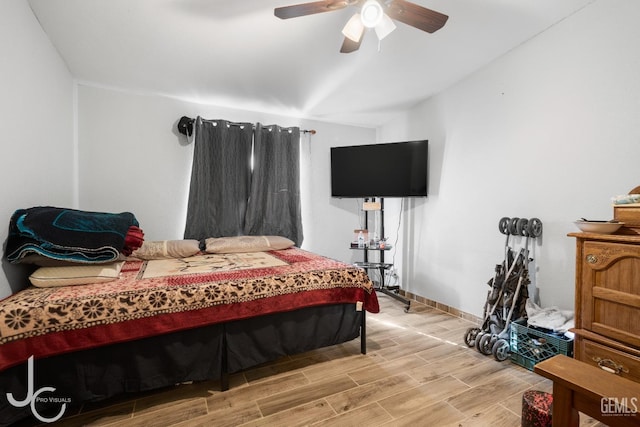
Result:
x=551 y=130
x=36 y=124
x=133 y=159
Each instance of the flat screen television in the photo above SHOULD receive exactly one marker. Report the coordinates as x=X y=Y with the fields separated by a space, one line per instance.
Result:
x=396 y=169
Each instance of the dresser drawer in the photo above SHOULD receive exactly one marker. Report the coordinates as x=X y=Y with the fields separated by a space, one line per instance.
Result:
x=608 y=359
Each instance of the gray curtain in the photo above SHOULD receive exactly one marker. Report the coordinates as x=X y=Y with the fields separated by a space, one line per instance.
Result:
x=220 y=179
x=274 y=203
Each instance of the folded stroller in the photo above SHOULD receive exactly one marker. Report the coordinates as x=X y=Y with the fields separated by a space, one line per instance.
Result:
x=508 y=293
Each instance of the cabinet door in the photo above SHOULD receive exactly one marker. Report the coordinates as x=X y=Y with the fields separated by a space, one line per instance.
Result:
x=611 y=290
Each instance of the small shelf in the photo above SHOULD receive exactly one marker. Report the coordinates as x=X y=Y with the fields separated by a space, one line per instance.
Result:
x=383 y=265
x=372 y=248
x=380 y=265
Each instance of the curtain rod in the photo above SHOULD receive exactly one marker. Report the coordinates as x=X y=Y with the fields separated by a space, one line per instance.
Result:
x=185 y=126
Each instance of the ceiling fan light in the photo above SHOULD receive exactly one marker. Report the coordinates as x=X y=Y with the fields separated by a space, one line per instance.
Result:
x=354 y=28
x=385 y=27
x=371 y=13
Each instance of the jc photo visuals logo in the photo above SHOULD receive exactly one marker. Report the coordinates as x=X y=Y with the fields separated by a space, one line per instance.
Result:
x=41 y=396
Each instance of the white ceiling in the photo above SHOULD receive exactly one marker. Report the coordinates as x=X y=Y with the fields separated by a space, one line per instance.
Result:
x=236 y=53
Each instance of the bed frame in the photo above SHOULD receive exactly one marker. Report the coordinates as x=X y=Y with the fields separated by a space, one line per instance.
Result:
x=210 y=352
x=71 y=345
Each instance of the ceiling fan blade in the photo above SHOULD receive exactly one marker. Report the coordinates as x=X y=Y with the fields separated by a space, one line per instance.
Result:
x=417 y=16
x=349 y=45
x=304 y=9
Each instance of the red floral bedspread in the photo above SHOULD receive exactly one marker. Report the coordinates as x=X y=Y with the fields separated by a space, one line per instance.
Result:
x=48 y=321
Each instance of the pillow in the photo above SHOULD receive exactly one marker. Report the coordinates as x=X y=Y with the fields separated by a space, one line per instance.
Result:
x=167 y=249
x=222 y=245
x=47 y=277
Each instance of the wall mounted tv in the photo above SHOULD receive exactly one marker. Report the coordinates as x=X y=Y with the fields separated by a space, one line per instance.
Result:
x=397 y=169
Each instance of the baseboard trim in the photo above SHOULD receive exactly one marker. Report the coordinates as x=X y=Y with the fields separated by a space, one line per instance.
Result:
x=442 y=307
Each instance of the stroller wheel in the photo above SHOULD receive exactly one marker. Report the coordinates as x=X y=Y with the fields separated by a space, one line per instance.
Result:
x=470 y=336
x=478 y=339
x=504 y=224
x=486 y=344
x=500 y=350
x=522 y=226
x=535 y=227
x=513 y=226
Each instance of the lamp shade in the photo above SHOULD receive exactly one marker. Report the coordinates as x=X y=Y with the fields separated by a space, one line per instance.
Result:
x=385 y=27
x=354 y=28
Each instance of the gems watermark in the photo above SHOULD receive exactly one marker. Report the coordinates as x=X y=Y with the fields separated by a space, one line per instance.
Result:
x=619 y=406
x=34 y=397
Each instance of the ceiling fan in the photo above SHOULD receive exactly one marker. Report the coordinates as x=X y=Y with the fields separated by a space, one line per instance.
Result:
x=376 y=14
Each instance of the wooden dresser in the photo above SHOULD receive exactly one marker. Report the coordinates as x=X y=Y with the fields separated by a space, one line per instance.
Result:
x=607 y=312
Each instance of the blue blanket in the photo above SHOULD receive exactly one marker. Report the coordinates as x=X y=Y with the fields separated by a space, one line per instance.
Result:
x=67 y=234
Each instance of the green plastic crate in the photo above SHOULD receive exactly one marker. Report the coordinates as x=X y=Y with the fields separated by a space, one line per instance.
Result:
x=530 y=346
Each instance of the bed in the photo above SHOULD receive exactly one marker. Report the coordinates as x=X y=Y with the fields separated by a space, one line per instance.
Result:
x=171 y=320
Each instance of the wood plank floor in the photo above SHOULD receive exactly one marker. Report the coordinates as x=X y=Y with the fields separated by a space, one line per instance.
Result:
x=417 y=371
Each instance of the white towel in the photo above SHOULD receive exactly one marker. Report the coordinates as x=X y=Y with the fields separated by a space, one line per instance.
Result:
x=549 y=318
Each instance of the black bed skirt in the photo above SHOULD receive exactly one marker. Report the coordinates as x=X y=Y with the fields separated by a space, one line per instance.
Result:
x=257 y=340
x=205 y=353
